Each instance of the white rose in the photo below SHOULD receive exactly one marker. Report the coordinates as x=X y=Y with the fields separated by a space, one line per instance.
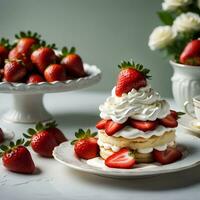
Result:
x=187 y=22
x=161 y=37
x=174 y=4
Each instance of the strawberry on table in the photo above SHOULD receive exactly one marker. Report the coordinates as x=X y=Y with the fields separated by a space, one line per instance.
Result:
x=143 y=125
x=14 y=71
x=122 y=159
x=112 y=127
x=85 y=144
x=191 y=53
x=43 y=139
x=4 y=50
x=55 y=72
x=131 y=76
x=169 y=121
x=72 y=62
x=17 y=158
x=168 y=156
x=101 y=124
x=35 y=78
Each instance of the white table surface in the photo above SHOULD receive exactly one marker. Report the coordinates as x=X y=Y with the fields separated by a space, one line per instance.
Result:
x=52 y=181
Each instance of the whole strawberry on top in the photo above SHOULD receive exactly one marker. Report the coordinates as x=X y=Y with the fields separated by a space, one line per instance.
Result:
x=17 y=158
x=131 y=76
x=4 y=50
x=85 y=144
x=44 y=138
x=72 y=62
x=191 y=53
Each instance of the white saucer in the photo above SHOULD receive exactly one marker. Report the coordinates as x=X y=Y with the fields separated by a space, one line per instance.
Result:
x=188 y=123
x=64 y=154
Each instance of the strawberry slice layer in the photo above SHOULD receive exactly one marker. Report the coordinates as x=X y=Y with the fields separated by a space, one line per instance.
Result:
x=112 y=127
x=121 y=159
x=101 y=124
x=143 y=125
x=169 y=121
x=168 y=156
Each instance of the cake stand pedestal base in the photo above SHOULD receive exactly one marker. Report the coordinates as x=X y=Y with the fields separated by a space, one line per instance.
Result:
x=27 y=109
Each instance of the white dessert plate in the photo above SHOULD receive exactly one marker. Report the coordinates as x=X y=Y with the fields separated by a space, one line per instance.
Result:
x=64 y=154
x=189 y=123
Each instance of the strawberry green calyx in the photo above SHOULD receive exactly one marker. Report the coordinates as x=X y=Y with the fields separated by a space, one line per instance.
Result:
x=12 y=145
x=138 y=67
x=5 y=42
x=43 y=43
x=65 y=51
x=28 y=34
x=81 y=134
x=179 y=114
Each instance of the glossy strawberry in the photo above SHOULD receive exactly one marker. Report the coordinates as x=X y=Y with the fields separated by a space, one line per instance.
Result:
x=131 y=76
x=1 y=136
x=35 y=78
x=191 y=53
x=176 y=115
x=122 y=159
x=72 y=63
x=169 y=121
x=143 y=125
x=43 y=57
x=85 y=146
x=112 y=127
x=14 y=71
x=55 y=72
x=101 y=124
x=14 y=54
x=4 y=50
x=17 y=158
x=168 y=156
x=25 y=42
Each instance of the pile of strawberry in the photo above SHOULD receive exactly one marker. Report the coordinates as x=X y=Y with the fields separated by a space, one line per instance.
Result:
x=43 y=139
x=31 y=60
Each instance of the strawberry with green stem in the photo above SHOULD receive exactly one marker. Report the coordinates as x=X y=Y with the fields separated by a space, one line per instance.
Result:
x=85 y=144
x=72 y=62
x=44 y=138
x=131 y=76
x=17 y=158
x=4 y=51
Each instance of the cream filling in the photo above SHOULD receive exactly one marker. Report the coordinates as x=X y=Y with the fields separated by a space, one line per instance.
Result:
x=107 y=146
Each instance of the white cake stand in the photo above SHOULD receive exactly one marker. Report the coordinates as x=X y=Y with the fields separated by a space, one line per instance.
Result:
x=27 y=106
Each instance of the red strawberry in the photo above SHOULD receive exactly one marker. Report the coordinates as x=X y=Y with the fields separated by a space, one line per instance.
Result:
x=143 y=125
x=55 y=72
x=14 y=71
x=86 y=146
x=35 y=78
x=14 y=54
x=168 y=156
x=43 y=57
x=101 y=124
x=1 y=136
x=112 y=127
x=17 y=158
x=26 y=41
x=169 y=121
x=4 y=50
x=121 y=159
x=72 y=63
x=51 y=127
x=131 y=76
x=191 y=53
x=174 y=114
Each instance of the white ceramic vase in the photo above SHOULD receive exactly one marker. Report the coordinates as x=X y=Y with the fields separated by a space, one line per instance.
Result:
x=185 y=83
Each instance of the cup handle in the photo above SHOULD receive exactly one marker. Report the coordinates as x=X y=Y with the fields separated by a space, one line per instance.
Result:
x=188 y=105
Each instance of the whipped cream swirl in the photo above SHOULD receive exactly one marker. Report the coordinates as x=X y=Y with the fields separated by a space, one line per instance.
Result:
x=143 y=104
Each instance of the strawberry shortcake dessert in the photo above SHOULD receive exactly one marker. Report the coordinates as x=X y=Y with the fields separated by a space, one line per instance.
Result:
x=136 y=121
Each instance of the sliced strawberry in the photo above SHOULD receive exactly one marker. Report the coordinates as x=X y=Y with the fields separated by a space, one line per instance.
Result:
x=101 y=124
x=174 y=114
x=112 y=127
x=168 y=156
x=121 y=159
x=169 y=121
x=143 y=125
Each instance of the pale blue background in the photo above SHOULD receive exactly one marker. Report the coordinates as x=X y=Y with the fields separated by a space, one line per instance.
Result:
x=104 y=32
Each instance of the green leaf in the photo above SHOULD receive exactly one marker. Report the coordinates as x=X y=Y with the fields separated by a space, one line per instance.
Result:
x=18 y=142
x=12 y=144
x=31 y=131
x=4 y=148
x=94 y=134
x=166 y=17
x=39 y=126
x=73 y=142
x=72 y=50
x=26 y=136
x=27 y=143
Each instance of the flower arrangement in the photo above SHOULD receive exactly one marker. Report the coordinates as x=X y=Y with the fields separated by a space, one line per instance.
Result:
x=181 y=19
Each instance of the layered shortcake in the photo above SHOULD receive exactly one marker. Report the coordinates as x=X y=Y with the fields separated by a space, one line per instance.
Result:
x=135 y=117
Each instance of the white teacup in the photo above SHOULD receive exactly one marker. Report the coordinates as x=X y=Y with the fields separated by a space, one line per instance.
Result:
x=193 y=109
